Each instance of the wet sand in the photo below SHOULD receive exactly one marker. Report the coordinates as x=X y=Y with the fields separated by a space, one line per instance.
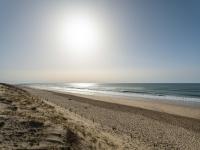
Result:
x=140 y=125
x=180 y=108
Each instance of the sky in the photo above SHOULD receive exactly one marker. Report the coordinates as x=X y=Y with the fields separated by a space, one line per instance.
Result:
x=100 y=41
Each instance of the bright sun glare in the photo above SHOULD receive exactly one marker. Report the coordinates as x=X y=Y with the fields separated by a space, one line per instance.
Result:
x=80 y=34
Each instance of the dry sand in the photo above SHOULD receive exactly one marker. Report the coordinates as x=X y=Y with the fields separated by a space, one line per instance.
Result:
x=28 y=122
x=138 y=127
x=39 y=119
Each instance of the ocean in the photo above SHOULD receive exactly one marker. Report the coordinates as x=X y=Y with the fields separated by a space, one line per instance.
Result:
x=162 y=91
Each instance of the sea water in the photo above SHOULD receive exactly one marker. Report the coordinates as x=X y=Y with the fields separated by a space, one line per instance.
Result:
x=162 y=91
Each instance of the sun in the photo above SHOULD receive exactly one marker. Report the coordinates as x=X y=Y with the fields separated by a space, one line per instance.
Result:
x=80 y=34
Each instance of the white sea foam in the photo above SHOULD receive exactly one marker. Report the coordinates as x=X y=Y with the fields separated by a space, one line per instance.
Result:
x=113 y=93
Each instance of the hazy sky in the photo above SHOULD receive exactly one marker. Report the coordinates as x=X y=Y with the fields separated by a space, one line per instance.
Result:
x=100 y=41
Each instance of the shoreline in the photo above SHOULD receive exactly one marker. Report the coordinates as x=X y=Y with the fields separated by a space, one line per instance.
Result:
x=128 y=95
x=185 y=109
x=175 y=107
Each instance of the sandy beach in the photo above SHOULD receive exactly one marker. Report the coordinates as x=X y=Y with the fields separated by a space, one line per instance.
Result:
x=139 y=123
x=99 y=75
x=29 y=122
x=39 y=119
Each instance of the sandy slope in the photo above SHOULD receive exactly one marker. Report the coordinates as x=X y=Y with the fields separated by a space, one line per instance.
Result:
x=38 y=119
x=28 y=122
x=138 y=127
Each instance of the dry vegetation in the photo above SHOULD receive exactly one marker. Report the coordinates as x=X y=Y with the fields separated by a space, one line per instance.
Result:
x=27 y=122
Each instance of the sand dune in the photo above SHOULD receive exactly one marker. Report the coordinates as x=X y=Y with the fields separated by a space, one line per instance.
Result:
x=27 y=122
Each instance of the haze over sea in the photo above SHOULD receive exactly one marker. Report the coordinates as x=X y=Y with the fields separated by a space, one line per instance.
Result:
x=164 y=91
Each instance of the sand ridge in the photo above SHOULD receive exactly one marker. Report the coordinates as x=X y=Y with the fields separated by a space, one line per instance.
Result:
x=27 y=122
